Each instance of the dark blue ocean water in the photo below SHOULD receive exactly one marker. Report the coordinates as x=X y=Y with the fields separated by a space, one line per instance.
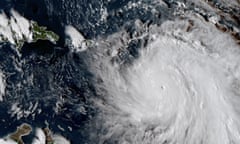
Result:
x=50 y=72
x=56 y=78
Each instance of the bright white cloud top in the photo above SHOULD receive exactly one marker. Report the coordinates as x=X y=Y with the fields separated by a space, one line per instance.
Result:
x=75 y=39
x=17 y=30
x=2 y=86
x=184 y=87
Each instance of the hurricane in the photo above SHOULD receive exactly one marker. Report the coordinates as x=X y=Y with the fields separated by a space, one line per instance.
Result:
x=183 y=88
x=136 y=72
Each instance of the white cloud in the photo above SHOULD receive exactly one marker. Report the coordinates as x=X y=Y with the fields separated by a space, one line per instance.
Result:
x=58 y=139
x=2 y=86
x=7 y=141
x=23 y=23
x=14 y=28
x=40 y=137
x=77 y=41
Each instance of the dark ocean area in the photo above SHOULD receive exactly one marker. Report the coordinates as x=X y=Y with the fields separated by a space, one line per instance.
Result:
x=54 y=72
x=52 y=77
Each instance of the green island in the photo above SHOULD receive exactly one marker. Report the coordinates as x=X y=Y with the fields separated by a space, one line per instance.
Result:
x=41 y=33
x=36 y=33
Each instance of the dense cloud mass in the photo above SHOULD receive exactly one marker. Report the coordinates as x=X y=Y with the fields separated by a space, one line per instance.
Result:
x=145 y=72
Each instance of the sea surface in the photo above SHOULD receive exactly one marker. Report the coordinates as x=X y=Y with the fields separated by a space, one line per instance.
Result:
x=127 y=72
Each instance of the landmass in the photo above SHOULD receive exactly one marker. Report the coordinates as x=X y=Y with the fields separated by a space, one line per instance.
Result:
x=17 y=30
x=23 y=130
x=41 y=33
x=26 y=129
x=49 y=139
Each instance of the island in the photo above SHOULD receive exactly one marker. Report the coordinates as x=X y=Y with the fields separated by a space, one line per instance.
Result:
x=17 y=30
x=41 y=33
x=23 y=130
x=26 y=129
x=49 y=139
